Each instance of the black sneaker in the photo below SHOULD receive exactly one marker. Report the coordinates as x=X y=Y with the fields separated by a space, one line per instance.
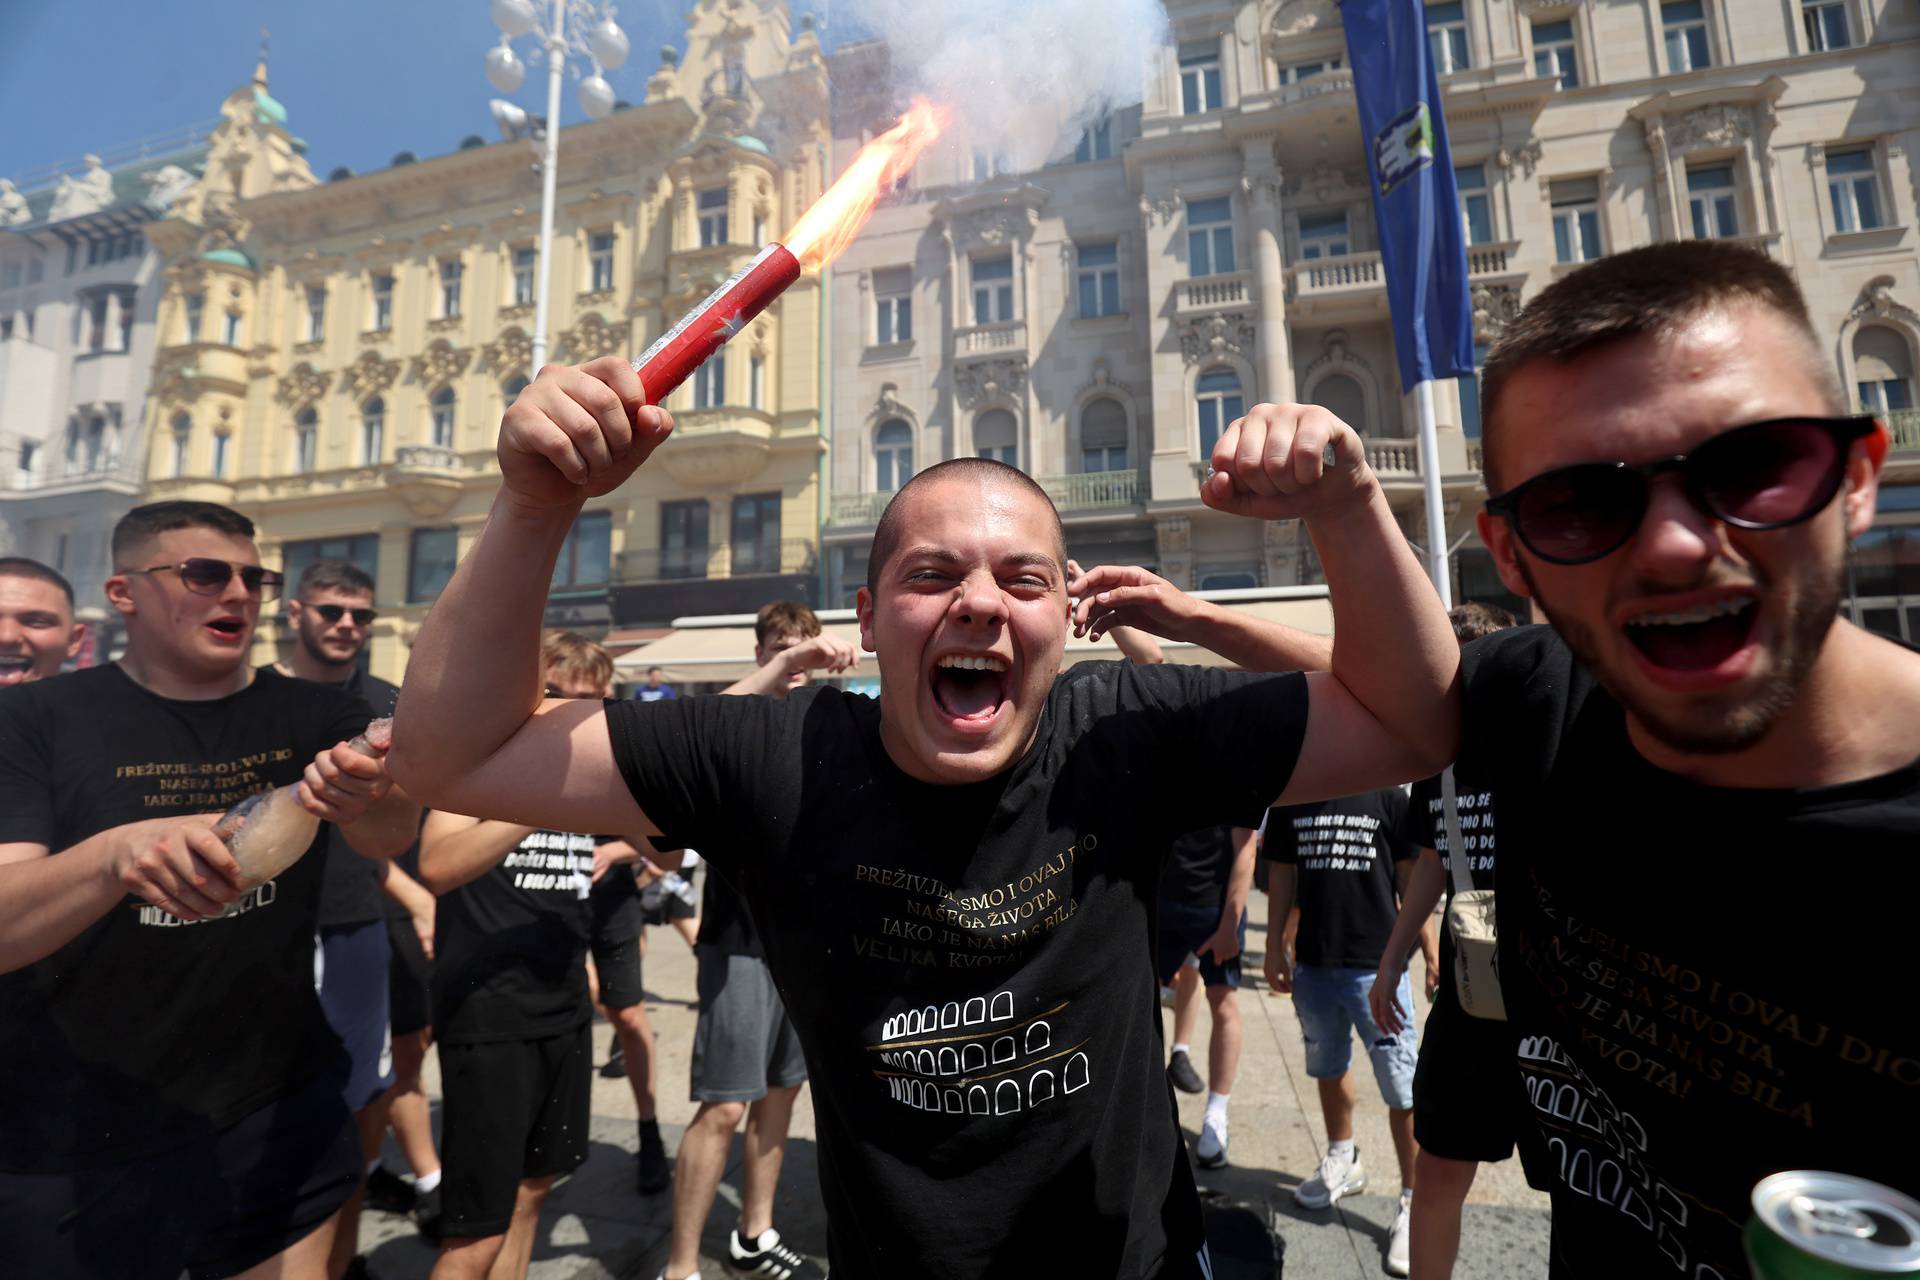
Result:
x=357 y=1269
x=654 y=1174
x=769 y=1257
x=1184 y=1077
x=615 y=1067
x=426 y=1213
x=388 y=1192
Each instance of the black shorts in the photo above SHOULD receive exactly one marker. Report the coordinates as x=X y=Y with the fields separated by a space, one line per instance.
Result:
x=212 y=1207
x=617 y=921
x=1466 y=1088
x=512 y=1109
x=1181 y=929
x=409 y=998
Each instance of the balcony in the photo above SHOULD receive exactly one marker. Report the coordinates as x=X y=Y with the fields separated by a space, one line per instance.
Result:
x=117 y=475
x=1486 y=261
x=1094 y=491
x=427 y=477
x=653 y=586
x=1343 y=289
x=1007 y=337
x=1211 y=293
x=716 y=562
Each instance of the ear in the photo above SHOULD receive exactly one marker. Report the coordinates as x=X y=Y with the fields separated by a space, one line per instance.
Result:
x=863 y=606
x=1863 y=480
x=77 y=638
x=1505 y=549
x=119 y=596
x=294 y=609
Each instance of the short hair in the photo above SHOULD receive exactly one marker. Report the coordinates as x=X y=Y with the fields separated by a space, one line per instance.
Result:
x=1649 y=290
x=651 y=670
x=21 y=567
x=335 y=575
x=784 y=618
x=1474 y=619
x=887 y=533
x=575 y=657
x=155 y=518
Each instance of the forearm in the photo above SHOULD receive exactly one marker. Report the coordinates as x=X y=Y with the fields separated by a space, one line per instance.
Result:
x=47 y=902
x=1138 y=646
x=1430 y=941
x=386 y=829
x=465 y=855
x=1280 y=877
x=768 y=681
x=1240 y=880
x=404 y=889
x=1254 y=644
x=1417 y=902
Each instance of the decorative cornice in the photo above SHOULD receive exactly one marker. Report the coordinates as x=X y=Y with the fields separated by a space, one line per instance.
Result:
x=1103 y=383
x=1525 y=154
x=1494 y=308
x=590 y=338
x=301 y=385
x=510 y=352
x=980 y=381
x=440 y=362
x=369 y=375
x=1210 y=337
x=1876 y=301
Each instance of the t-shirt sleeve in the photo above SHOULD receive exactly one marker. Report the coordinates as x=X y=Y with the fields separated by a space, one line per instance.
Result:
x=1423 y=816
x=1280 y=844
x=26 y=790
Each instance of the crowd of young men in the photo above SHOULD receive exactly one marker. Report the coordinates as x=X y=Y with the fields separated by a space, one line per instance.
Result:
x=939 y=906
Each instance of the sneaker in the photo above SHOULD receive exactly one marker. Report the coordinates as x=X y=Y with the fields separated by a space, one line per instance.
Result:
x=388 y=1192
x=653 y=1172
x=1211 y=1151
x=357 y=1269
x=767 y=1256
x=1338 y=1176
x=615 y=1067
x=426 y=1214
x=1398 y=1262
x=1184 y=1077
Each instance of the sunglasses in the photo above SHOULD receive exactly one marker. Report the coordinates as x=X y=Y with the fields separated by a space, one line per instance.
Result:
x=1763 y=475
x=332 y=613
x=209 y=577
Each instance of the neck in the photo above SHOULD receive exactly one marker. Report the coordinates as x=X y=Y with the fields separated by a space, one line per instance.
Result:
x=1854 y=717
x=158 y=677
x=307 y=667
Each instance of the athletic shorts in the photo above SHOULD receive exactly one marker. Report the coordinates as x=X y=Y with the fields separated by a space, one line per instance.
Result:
x=743 y=1044
x=1332 y=1005
x=409 y=994
x=510 y=1110
x=350 y=965
x=1466 y=1091
x=1184 y=928
x=670 y=897
x=211 y=1208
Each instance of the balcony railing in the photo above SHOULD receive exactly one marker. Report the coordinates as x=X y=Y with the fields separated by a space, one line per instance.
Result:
x=1490 y=259
x=741 y=560
x=426 y=457
x=1210 y=293
x=990 y=339
x=857 y=508
x=1905 y=426
x=75 y=475
x=1393 y=459
x=1348 y=273
x=1095 y=490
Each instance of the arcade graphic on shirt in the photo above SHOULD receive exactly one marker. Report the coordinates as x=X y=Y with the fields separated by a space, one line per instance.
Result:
x=975 y=1058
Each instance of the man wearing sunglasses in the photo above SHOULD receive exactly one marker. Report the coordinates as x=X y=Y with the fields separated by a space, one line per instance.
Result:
x=1703 y=779
x=169 y=1087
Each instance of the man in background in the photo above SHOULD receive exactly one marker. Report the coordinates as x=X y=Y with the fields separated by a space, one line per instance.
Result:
x=37 y=631
x=653 y=690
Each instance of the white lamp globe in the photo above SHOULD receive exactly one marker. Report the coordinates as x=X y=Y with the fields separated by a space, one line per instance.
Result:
x=515 y=17
x=608 y=44
x=505 y=71
x=596 y=97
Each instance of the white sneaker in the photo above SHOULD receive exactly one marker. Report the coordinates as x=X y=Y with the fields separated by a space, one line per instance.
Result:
x=1398 y=1262
x=1338 y=1176
x=1211 y=1151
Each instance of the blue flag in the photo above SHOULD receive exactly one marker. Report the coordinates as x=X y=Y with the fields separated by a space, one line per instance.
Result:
x=1415 y=202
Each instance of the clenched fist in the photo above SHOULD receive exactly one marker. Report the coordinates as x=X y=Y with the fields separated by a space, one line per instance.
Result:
x=578 y=431
x=1284 y=461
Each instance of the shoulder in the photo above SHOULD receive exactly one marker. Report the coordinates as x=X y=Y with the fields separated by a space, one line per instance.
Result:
x=1515 y=662
x=330 y=705
x=49 y=697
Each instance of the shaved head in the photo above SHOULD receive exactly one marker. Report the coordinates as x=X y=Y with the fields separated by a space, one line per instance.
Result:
x=894 y=528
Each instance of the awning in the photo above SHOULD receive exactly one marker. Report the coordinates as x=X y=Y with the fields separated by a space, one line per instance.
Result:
x=720 y=648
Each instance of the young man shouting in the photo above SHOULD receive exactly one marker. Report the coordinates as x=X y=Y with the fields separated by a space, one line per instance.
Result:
x=953 y=885
x=37 y=631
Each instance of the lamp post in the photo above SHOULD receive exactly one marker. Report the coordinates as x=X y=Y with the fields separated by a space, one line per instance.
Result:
x=572 y=27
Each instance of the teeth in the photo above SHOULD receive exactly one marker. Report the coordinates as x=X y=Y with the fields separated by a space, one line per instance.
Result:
x=1690 y=617
x=983 y=663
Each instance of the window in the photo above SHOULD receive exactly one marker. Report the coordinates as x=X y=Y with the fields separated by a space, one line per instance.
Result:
x=316 y=313
x=182 y=442
x=683 y=539
x=1229 y=580
x=449 y=287
x=1713 y=202
x=1200 y=77
x=1103 y=435
x=1684 y=23
x=756 y=533
x=1447 y=37
x=96 y=443
x=1096 y=142
x=219 y=467
x=512 y=388
x=126 y=323
x=1576 y=219
x=1853 y=188
x=230 y=332
x=440 y=414
x=1220 y=403
x=24 y=463
x=600 y=260
x=710 y=382
x=990 y=164
x=97 y=322
x=359 y=549
x=306 y=439
x=1340 y=395
x=1882 y=369
x=1324 y=235
x=196 y=308
x=756 y=382
x=1476 y=209
x=712 y=206
x=1826 y=24
x=525 y=262
x=1553 y=52
x=892 y=306
x=892 y=455
x=996 y=435
x=587 y=554
x=1098 y=278
x=430 y=562
x=1301 y=72
x=373 y=431
x=992 y=289
x=759 y=227
x=1210 y=237
x=1470 y=395
x=383 y=302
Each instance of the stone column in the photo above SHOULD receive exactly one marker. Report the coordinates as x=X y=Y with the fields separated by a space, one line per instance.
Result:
x=1173 y=536
x=1274 y=360
x=110 y=329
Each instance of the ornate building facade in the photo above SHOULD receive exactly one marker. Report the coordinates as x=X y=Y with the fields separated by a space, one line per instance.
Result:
x=1097 y=321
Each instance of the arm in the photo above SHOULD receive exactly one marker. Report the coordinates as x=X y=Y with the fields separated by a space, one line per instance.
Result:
x=455 y=849
x=775 y=677
x=1280 y=883
x=615 y=853
x=471 y=732
x=387 y=828
x=1224 y=945
x=1119 y=598
x=1421 y=880
x=1136 y=645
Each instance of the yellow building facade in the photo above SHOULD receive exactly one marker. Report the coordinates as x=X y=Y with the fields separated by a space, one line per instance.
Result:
x=334 y=357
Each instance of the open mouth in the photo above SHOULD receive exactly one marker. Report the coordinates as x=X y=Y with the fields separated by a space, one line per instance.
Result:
x=14 y=667
x=228 y=628
x=970 y=689
x=1696 y=639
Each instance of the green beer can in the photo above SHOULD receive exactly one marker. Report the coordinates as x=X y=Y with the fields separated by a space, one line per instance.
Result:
x=1830 y=1226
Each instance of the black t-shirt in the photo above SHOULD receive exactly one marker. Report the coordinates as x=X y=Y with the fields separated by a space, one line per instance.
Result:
x=1428 y=829
x=509 y=948
x=969 y=968
x=1699 y=977
x=725 y=921
x=144 y=1031
x=1344 y=854
x=1199 y=864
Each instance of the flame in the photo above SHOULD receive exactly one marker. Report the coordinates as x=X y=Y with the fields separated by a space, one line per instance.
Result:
x=836 y=217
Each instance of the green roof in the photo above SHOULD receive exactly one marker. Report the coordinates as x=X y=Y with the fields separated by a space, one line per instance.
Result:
x=752 y=143
x=270 y=111
x=231 y=257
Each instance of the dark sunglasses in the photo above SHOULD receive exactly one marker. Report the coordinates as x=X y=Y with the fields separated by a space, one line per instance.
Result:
x=332 y=613
x=1763 y=475
x=209 y=577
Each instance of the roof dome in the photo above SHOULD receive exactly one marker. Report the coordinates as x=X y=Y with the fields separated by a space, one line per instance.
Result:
x=230 y=257
x=269 y=110
x=752 y=143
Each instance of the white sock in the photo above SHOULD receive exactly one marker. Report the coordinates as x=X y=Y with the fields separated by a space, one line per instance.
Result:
x=1181 y=1048
x=427 y=1181
x=1217 y=1110
x=1344 y=1149
x=1406 y=1197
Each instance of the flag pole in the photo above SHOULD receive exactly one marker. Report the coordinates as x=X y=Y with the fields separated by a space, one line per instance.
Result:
x=1430 y=480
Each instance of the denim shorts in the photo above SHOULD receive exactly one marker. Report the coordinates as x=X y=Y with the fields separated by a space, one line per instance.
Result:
x=1332 y=1004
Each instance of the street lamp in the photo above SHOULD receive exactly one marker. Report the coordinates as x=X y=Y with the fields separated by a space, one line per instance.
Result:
x=573 y=27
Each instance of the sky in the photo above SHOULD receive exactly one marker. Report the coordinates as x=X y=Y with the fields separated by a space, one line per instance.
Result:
x=361 y=79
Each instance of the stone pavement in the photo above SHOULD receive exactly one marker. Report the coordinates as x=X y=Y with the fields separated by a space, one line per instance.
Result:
x=597 y=1227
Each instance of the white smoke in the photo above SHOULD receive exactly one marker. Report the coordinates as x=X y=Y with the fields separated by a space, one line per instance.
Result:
x=1023 y=77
